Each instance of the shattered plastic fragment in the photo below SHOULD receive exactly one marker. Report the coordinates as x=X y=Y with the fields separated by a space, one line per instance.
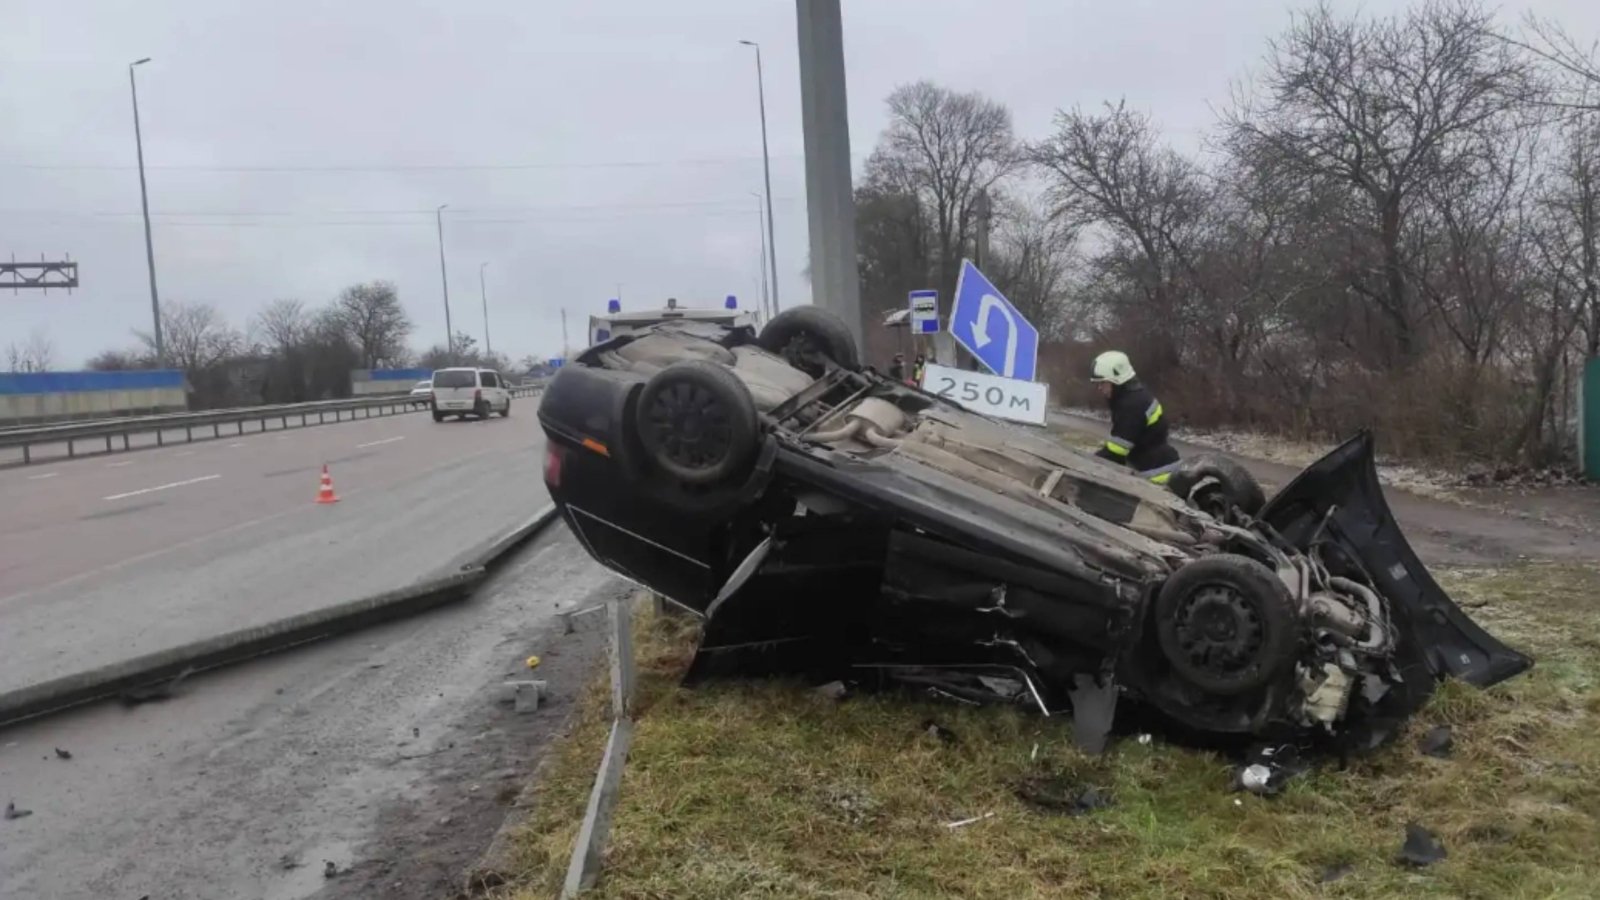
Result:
x=1421 y=847
x=1438 y=742
x=833 y=690
x=935 y=730
x=960 y=823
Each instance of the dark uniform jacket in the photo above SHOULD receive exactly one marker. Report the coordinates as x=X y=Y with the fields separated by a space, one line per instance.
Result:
x=1138 y=432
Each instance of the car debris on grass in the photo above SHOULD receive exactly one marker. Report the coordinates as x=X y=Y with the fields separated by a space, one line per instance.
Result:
x=765 y=788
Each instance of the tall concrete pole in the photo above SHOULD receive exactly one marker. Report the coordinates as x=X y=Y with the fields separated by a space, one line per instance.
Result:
x=144 y=203
x=444 y=282
x=488 y=346
x=830 y=204
x=766 y=168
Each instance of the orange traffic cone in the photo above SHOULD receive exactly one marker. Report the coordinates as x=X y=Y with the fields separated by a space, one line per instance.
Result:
x=326 y=494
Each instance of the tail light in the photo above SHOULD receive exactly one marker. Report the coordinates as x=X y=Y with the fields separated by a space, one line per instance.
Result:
x=477 y=395
x=552 y=466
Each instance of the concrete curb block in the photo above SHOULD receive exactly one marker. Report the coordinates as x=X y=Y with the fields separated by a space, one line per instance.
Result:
x=248 y=643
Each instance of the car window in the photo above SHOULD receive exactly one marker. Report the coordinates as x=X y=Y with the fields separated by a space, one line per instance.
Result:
x=455 y=378
x=490 y=379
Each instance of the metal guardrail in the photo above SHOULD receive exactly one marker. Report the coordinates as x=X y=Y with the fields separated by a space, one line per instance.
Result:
x=307 y=414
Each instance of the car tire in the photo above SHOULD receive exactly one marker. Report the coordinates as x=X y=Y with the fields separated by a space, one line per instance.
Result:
x=697 y=423
x=1217 y=484
x=804 y=333
x=506 y=413
x=438 y=416
x=1226 y=624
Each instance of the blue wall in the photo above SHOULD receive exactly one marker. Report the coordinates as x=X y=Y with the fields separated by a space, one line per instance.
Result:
x=85 y=382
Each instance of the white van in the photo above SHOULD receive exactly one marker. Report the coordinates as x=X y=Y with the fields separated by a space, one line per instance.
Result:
x=469 y=392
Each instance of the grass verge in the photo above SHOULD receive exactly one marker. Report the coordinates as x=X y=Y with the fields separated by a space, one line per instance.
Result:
x=770 y=790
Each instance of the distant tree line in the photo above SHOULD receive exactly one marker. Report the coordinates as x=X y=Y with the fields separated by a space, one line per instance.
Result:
x=288 y=352
x=1397 y=225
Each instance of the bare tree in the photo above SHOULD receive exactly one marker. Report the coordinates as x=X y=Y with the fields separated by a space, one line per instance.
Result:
x=945 y=149
x=121 y=361
x=1109 y=171
x=283 y=324
x=196 y=335
x=1387 y=107
x=375 y=321
x=1575 y=68
x=36 y=354
x=1031 y=262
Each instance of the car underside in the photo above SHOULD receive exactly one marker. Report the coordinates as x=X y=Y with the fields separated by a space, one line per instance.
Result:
x=827 y=521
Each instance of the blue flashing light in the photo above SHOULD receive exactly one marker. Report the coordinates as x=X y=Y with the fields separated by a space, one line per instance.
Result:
x=614 y=305
x=731 y=303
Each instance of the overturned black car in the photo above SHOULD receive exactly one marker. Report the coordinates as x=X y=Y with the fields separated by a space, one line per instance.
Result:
x=824 y=519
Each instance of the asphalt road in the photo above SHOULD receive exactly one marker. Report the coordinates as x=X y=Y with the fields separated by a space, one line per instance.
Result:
x=111 y=557
x=385 y=752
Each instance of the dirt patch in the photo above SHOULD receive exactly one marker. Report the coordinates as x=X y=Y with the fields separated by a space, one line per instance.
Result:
x=427 y=841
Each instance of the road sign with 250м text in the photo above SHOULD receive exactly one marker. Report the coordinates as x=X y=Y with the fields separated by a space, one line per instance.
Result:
x=986 y=323
x=1005 y=398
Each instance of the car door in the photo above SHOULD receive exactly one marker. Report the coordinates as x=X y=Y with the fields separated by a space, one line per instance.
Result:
x=494 y=390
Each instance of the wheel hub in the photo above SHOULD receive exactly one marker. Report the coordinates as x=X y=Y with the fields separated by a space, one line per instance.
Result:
x=691 y=425
x=1220 y=630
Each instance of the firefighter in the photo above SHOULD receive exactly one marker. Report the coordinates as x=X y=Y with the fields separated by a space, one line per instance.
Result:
x=916 y=369
x=897 y=368
x=1138 y=437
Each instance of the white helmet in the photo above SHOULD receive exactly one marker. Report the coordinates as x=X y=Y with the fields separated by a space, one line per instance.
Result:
x=1113 y=366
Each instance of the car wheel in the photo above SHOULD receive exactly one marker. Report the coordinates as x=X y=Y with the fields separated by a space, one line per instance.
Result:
x=1226 y=624
x=506 y=413
x=1217 y=484
x=807 y=336
x=438 y=416
x=697 y=423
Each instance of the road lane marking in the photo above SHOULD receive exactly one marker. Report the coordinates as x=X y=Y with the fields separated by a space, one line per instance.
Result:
x=44 y=476
x=236 y=444
x=384 y=441
x=186 y=453
x=116 y=465
x=161 y=487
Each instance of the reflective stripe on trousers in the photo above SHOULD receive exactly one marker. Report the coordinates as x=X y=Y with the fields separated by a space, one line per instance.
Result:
x=1162 y=474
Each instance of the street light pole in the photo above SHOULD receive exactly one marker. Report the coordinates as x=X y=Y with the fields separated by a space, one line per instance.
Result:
x=766 y=167
x=144 y=202
x=488 y=348
x=444 y=280
x=762 y=235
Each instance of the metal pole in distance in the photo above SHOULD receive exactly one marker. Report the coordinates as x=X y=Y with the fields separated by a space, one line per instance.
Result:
x=444 y=281
x=766 y=313
x=766 y=169
x=830 y=207
x=144 y=202
x=488 y=348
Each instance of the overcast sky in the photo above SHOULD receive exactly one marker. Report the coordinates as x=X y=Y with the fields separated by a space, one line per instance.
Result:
x=294 y=148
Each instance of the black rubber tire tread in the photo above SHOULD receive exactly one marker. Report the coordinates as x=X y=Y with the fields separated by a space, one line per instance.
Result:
x=1274 y=610
x=1238 y=487
x=712 y=389
x=506 y=413
x=825 y=331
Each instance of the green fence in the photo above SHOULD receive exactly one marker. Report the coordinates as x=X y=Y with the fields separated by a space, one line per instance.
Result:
x=1589 y=421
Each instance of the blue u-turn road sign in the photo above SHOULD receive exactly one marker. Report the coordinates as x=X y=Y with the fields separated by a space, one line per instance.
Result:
x=986 y=323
